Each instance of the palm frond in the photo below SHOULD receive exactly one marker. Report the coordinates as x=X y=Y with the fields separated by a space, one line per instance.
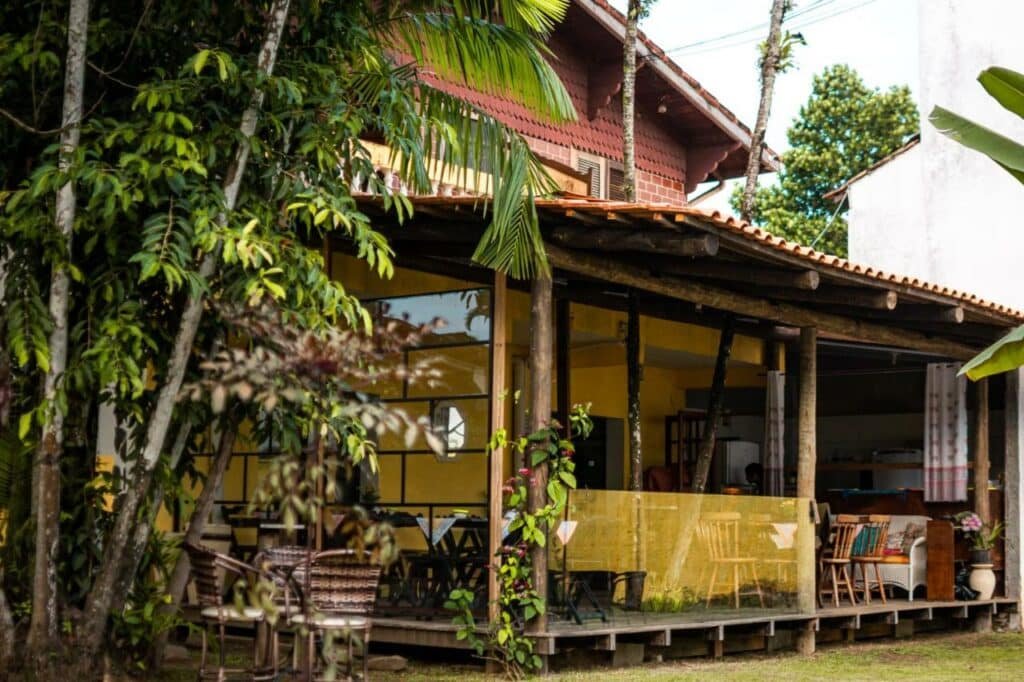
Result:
x=433 y=134
x=493 y=58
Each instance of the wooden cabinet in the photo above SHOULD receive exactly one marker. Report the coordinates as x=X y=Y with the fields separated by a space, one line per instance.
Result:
x=941 y=567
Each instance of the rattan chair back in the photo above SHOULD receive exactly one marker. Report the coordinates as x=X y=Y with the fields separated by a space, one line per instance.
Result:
x=343 y=581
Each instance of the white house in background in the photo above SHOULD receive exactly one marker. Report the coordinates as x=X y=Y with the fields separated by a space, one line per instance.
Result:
x=935 y=209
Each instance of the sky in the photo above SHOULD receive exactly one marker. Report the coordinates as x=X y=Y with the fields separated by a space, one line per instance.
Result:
x=878 y=38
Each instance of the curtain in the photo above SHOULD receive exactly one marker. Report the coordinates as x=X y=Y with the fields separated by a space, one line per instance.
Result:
x=774 y=433
x=945 y=442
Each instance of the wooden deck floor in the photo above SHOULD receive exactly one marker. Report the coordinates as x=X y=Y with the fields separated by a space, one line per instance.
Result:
x=717 y=625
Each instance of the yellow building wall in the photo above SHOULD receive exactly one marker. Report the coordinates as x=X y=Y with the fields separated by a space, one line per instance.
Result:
x=598 y=376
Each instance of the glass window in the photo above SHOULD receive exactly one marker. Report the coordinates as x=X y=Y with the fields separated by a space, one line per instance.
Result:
x=466 y=315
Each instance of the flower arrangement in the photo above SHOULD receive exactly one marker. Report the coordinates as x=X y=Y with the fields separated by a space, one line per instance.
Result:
x=981 y=535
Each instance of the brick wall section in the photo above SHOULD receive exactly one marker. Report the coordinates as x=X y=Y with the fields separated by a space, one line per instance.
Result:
x=657 y=189
x=651 y=188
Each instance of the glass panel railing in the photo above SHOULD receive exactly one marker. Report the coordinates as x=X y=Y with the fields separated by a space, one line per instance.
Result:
x=706 y=555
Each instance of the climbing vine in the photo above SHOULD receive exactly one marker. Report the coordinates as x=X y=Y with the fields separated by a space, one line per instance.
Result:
x=518 y=599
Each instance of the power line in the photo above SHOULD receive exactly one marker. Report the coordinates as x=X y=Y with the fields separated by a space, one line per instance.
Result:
x=810 y=21
x=758 y=27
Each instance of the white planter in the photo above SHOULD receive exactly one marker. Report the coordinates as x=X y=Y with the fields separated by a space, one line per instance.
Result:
x=982 y=580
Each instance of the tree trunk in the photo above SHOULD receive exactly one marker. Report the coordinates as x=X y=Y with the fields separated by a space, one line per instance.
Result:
x=132 y=555
x=42 y=635
x=541 y=339
x=101 y=595
x=629 y=102
x=769 y=68
x=6 y=629
x=203 y=508
x=636 y=462
x=714 y=415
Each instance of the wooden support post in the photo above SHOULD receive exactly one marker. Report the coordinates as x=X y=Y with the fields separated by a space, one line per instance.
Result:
x=807 y=406
x=981 y=451
x=807 y=453
x=1014 y=484
x=715 y=399
x=496 y=474
x=541 y=341
x=563 y=358
x=633 y=378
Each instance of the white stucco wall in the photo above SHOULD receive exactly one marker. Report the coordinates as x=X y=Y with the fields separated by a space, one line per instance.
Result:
x=942 y=212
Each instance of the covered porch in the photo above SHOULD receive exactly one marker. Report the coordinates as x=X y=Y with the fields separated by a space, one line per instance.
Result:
x=632 y=318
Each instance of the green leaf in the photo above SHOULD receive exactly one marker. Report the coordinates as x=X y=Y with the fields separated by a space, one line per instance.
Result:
x=1002 y=356
x=201 y=60
x=24 y=425
x=1006 y=87
x=999 y=148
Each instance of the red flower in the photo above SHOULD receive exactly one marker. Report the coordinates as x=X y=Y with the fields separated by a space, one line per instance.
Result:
x=524 y=472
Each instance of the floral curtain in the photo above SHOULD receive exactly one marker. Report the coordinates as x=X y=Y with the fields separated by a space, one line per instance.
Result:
x=945 y=442
x=774 y=433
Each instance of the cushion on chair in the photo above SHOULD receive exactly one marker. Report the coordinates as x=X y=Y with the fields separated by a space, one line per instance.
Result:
x=894 y=559
x=331 y=622
x=912 y=532
x=229 y=612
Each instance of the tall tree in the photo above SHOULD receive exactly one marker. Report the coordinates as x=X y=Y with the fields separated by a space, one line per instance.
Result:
x=205 y=173
x=42 y=637
x=843 y=128
x=637 y=10
x=771 y=59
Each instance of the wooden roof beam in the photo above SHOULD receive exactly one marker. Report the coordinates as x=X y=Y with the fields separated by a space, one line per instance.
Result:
x=613 y=270
x=806 y=280
x=874 y=299
x=646 y=241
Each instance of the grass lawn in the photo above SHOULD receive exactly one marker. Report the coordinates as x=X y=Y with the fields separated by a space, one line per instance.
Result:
x=953 y=657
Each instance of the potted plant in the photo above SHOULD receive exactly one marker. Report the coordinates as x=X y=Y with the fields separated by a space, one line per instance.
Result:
x=982 y=538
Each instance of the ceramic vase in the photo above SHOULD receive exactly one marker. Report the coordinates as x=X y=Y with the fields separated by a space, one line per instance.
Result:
x=982 y=580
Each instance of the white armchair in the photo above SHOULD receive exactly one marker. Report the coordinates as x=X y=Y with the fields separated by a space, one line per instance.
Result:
x=906 y=570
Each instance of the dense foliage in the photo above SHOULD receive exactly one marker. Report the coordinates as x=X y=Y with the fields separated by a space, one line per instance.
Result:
x=519 y=601
x=844 y=128
x=219 y=147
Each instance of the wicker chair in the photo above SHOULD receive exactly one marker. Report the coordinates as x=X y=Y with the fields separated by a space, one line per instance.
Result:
x=341 y=589
x=285 y=565
x=209 y=569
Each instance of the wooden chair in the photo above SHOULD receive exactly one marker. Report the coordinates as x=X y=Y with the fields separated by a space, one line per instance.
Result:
x=869 y=550
x=208 y=570
x=844 y=530
x=720 y=533
x=340 y=591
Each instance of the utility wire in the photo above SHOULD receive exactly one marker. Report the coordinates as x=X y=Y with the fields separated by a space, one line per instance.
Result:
x=809 y=21
x=759 y=28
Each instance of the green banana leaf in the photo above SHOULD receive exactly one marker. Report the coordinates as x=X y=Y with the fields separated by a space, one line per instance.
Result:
x=1005 y=354
x=999 y=148
x=1006 y=87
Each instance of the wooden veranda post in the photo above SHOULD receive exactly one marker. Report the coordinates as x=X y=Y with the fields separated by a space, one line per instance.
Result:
x=499 y=358
x=807 y=460
x=633 y=378
x=807 y=427
x=541 y=340
x=981 y=451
